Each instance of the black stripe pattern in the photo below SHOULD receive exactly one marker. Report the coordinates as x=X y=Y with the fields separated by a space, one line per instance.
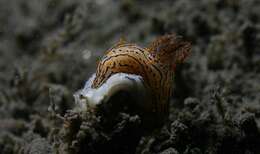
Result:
x=132 y=59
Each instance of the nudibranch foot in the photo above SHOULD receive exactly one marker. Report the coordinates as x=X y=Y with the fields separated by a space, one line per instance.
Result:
x=90 y=97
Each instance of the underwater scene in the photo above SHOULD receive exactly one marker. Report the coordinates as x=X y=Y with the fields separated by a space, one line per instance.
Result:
x=129 y=77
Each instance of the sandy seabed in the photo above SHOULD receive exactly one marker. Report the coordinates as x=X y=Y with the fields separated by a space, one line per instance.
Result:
x=48 y=49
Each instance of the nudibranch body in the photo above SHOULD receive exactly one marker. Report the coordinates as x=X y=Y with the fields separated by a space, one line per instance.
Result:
x=152 y=68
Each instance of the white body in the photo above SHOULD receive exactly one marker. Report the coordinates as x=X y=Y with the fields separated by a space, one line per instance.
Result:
x=90 y=97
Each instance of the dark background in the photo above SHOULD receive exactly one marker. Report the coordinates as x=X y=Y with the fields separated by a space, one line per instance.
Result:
x=49 y=48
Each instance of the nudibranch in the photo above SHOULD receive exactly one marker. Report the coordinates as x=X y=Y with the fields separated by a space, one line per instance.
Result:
x=147 y=73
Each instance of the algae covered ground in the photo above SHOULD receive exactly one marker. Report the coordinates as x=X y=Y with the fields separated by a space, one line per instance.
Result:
x=49 y=48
